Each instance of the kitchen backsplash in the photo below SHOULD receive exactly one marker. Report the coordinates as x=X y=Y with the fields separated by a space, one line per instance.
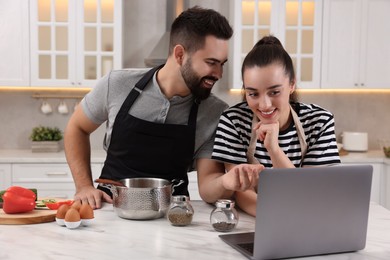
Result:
x=361 y=112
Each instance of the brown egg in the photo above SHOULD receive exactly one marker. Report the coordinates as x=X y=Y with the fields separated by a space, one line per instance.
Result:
x=72 y=215
x=76 y=204
x=61 y=212
x=86 y=212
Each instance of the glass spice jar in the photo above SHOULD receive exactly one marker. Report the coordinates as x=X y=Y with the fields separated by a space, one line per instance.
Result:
x=180 y=211
x=224 y=217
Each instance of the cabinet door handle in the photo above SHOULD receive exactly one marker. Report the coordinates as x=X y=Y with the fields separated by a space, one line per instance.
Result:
x=56 y=173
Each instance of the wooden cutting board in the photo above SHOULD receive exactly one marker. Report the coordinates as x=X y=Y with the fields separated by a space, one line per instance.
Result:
x=33 y=217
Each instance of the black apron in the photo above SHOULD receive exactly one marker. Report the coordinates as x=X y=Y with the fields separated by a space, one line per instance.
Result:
x=140 y=148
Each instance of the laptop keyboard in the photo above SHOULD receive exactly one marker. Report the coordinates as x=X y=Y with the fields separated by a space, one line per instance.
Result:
x=247 y=246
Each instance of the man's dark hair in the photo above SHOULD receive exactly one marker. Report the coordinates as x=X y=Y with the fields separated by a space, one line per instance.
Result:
x=192 y=26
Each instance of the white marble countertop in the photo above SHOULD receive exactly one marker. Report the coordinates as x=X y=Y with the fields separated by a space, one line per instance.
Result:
x=99 y=156
x=111 y=237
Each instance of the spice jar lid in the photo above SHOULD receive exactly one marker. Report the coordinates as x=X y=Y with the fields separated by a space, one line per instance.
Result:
x=224 y=204
x=180 y=198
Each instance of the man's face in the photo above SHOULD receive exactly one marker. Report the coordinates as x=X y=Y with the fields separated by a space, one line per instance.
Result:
x=202 y=69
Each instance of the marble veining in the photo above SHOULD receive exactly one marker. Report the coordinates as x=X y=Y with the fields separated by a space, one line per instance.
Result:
x=111 y=237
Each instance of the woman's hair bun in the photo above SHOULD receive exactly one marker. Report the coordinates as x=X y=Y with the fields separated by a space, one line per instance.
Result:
x=269 y=40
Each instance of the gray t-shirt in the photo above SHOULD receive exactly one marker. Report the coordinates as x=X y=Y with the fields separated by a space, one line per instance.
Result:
x=104 y=101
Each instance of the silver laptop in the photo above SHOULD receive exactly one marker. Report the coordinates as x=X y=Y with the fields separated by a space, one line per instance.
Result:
x=308 y=211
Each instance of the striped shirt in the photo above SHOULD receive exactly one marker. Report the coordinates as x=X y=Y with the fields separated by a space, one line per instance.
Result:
x=234 y=133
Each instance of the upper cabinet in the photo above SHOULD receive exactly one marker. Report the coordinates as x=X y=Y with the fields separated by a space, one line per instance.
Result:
x=356 y=44
x=74 y=42
x=14 y=43
x=296 y=23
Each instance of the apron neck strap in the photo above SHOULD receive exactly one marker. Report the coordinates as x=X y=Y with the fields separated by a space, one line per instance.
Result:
x=139 y=87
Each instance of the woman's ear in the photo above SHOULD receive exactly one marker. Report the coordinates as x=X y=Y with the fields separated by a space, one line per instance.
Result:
x=178 y=53
x=292 y=86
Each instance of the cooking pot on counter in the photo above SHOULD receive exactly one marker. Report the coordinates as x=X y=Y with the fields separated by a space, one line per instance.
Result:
x=355 y=141
x=143 y=198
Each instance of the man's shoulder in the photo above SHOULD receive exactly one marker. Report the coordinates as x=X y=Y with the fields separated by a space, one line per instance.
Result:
x=214 y=102
x=127 y=74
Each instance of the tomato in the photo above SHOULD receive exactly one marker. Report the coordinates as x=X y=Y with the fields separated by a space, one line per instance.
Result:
x=56 y=205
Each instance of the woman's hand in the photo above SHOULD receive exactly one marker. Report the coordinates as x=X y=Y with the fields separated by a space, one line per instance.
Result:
x=241 y=177
x=269 y=135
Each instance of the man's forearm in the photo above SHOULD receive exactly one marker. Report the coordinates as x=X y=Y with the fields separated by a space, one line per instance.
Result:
x=78 y=156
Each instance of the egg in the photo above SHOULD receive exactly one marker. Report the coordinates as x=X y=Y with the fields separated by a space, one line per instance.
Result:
x=72 y=218
x=60 y=215
x=86 y=211
x=86 y=214
x=76 y=204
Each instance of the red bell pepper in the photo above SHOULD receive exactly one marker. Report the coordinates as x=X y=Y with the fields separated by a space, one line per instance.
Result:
x=18 y=200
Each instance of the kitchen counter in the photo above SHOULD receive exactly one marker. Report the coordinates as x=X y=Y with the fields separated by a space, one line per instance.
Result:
x=111 y=237
x=372 y=156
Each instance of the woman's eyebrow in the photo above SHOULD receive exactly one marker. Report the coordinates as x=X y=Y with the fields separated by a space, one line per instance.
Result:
x=249 y=88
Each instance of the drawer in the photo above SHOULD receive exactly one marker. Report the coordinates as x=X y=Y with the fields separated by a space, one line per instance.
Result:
x=41 y=173
x=60 y=194
x=22 y=173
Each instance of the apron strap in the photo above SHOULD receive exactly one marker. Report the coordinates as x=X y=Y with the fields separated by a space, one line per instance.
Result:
x=301 y=134
x=250 y=154
x=301 y=137
x=138 y=88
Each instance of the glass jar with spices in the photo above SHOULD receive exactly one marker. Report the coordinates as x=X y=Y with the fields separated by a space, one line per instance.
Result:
x=224 y=217
x=180 y=211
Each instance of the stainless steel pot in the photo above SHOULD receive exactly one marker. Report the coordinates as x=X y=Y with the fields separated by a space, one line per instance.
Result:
x=143 y=198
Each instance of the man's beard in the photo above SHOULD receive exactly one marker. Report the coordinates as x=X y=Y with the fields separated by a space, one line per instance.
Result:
x=194 y=82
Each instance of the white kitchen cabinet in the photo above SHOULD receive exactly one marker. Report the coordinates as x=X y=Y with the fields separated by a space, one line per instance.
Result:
x=356 y=44
x=386 y=186
x=193 y=186
x=14 y=43
x=296 y=23
x=51 y=180
x=5 y=176
x=74 y=42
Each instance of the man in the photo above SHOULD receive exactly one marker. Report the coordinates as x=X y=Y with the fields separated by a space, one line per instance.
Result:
x=160 y=121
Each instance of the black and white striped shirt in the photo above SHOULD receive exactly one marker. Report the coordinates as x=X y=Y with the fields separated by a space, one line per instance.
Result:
x=234 y=132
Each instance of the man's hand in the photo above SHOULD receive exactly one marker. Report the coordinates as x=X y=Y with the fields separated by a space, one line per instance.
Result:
x=92 y=196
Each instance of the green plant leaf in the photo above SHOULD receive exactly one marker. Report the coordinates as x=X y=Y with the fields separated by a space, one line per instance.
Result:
x=45 y=133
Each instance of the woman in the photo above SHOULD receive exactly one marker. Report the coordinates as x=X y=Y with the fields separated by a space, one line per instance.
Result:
x=270 y=127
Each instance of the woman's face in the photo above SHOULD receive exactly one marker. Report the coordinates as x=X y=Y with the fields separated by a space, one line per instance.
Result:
x=267 y=91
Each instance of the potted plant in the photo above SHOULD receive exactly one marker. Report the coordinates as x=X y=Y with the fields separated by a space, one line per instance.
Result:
x=46 y=139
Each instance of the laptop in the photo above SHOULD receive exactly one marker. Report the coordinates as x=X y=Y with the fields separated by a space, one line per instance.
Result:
x=308 y=211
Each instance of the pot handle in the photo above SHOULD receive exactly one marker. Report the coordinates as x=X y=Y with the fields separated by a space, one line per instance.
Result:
x=112 y=188
x=176 y=183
